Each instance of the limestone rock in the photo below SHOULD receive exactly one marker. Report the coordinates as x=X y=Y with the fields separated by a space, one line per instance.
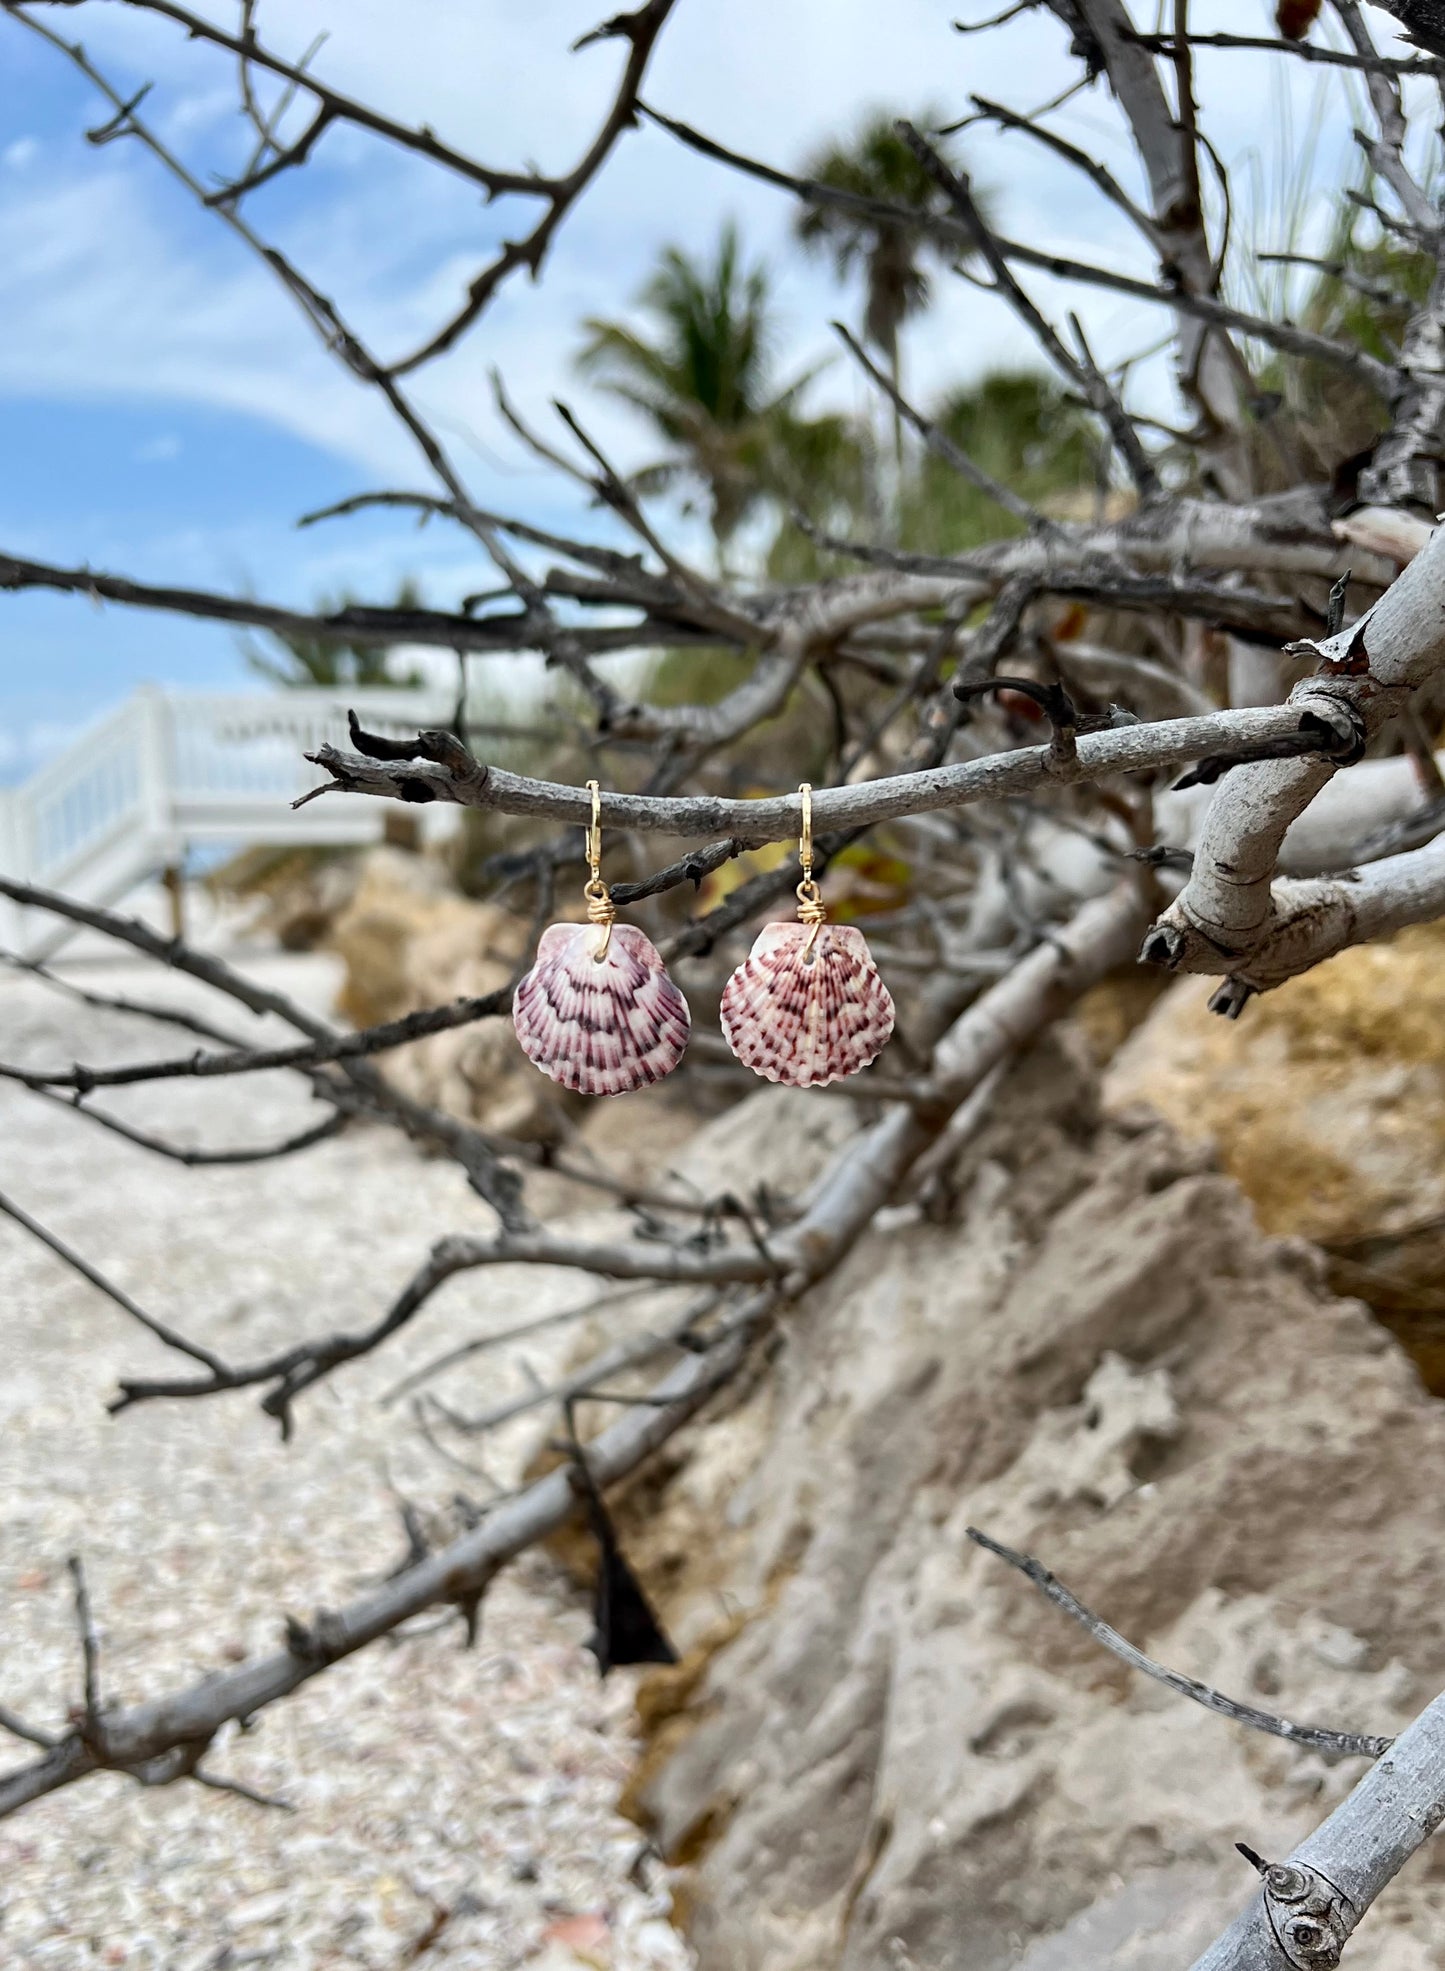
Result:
x=883 y=1748
x=775 y=1139
x=409 y=940
x=292 y=895
x=401 y=901
x=1326 y=1101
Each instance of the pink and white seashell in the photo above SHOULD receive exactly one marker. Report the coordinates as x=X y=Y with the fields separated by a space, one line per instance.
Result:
x=600 y=1026
x=807 y=1021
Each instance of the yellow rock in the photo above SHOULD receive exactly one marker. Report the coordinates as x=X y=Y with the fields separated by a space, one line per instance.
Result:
x=1326 y=1101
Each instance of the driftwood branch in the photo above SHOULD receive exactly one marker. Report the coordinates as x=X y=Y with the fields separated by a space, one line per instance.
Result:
x=162 y=1330
x=1231 y=917
x=164 y=1738
x=152 y=1740
x=1309 y=1905
x=487 y=1174
x=204 y=1066
x=1124 y=749
x=1318 y=1738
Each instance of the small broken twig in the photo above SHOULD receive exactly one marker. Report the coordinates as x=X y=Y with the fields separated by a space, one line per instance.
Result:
x=1319 y=1738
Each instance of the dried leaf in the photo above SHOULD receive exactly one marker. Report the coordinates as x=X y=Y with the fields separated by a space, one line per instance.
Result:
x=625 y=1630
x=1295 y=18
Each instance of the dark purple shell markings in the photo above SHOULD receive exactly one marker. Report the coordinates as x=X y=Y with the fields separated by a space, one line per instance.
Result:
x=600 y=1027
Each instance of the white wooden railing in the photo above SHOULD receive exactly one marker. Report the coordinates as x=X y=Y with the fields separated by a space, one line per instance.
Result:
x=170 y=771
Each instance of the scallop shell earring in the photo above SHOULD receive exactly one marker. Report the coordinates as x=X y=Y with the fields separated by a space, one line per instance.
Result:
x=597 y=1012
x=807 y=1006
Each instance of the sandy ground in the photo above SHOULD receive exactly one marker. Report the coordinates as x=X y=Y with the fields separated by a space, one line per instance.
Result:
x=451 y=1807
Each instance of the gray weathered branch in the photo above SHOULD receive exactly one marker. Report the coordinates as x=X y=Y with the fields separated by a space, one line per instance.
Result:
x=153 y=1741
x=1308 y=1906
x=1230 y=918
x=452 y=775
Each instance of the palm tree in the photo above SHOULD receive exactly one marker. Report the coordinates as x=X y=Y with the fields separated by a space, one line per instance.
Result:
x=1021 y=428
x=877 y=164
x=701 y=373
x=305 y=661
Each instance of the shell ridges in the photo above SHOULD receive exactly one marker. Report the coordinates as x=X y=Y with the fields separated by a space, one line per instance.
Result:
x=600 y=1027
x=806 y=1022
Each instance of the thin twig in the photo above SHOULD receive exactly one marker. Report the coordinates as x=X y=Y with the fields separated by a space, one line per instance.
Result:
x=18 y=1728
x=195 y=1159
x=160 y=1329
x=483 y=1344
x=260 y=1060
x=942 y=445
x=1319 y=1738
x=241 y=1791
x=955 y=186
x=89 y=1646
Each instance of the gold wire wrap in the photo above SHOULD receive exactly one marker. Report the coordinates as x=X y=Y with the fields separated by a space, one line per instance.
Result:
x=810 y=902
x=600 y=907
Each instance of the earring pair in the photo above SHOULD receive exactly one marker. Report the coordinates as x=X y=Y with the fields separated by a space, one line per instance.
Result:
x=599 y=1014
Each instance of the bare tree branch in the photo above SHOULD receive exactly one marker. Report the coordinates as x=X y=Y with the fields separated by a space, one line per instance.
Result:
x=191 y=1158
x=1230 y=918
x=1319 y=1738
x=1308 y=1907
x=1125 y=749
x=1302 y=51
x=153 y=1740
x=333 y=106
x=488 y=1176
x=160 y=1329
x=1285 y=336
x=640 y=30
x=258 y=1060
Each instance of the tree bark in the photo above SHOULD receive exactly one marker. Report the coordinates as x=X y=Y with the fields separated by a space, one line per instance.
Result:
x=1308 y=1907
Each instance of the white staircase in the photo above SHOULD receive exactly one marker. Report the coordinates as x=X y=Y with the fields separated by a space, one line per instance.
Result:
x=172 y=770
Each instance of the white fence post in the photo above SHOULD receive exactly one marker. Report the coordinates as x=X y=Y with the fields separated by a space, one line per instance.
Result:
x=14 y=862
x=157 y=802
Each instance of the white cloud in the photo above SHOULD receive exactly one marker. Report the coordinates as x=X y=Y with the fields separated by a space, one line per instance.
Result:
x=16 y=155
x=112 y=286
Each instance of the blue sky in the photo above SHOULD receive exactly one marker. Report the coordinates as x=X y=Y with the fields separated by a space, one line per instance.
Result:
x=165 y=412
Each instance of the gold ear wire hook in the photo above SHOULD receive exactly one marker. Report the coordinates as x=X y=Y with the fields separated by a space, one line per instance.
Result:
x=810 y=902
x=594 y=829
x=600 y=909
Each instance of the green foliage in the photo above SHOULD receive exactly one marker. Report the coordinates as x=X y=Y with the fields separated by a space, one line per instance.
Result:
x=701 y=374
x=301 y=662
x=1400 y=277
x=1312 y=418
x=1017 y=425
